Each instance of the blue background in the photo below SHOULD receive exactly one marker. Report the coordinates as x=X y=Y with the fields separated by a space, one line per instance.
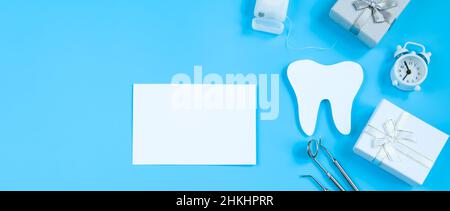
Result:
x=67 y=69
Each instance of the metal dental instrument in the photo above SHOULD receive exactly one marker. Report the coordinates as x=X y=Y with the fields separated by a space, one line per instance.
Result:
x=317 y=182
x=338 y=165
x=313 y=155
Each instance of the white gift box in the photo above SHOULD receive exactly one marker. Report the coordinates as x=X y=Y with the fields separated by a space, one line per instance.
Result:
x=369 y=20
x=400 y=143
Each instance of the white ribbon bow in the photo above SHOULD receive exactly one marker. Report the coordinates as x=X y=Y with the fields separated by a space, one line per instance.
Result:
x=392 y=142
x=378 y=8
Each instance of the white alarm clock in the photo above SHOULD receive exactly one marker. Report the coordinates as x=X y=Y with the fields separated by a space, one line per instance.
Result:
x=411 y=68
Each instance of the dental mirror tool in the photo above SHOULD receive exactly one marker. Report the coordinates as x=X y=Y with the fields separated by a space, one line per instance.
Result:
x=314 y=147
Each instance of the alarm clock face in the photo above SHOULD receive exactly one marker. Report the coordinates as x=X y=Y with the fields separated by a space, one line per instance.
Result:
x=411 y=70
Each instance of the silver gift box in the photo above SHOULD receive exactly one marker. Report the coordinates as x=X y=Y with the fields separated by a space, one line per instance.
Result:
x=369 y=20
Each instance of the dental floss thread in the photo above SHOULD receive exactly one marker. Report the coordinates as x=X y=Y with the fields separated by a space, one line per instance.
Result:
x=288 y=46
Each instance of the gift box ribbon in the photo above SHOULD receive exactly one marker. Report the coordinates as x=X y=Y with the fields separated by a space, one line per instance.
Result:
x=392 y=142
x=372 y=9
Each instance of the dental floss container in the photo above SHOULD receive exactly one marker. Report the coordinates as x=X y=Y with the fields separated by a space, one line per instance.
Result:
x=270 y=16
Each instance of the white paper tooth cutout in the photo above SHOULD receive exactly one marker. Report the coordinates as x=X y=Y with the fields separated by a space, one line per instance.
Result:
x=313 y=82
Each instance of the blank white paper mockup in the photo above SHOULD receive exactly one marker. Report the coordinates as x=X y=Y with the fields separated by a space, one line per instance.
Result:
x=194 y=124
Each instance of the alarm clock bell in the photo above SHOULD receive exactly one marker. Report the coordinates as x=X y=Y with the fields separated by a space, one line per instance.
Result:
x=402 y=50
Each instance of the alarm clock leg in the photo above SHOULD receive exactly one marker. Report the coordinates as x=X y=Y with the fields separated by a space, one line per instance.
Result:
x=417 y=88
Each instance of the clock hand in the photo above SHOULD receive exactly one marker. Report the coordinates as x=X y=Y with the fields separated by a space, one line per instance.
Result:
x=405 y=76
x=408 y=71
x=407 y=67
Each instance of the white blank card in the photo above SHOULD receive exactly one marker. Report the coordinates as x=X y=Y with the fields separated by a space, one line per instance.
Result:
x=194 y=124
